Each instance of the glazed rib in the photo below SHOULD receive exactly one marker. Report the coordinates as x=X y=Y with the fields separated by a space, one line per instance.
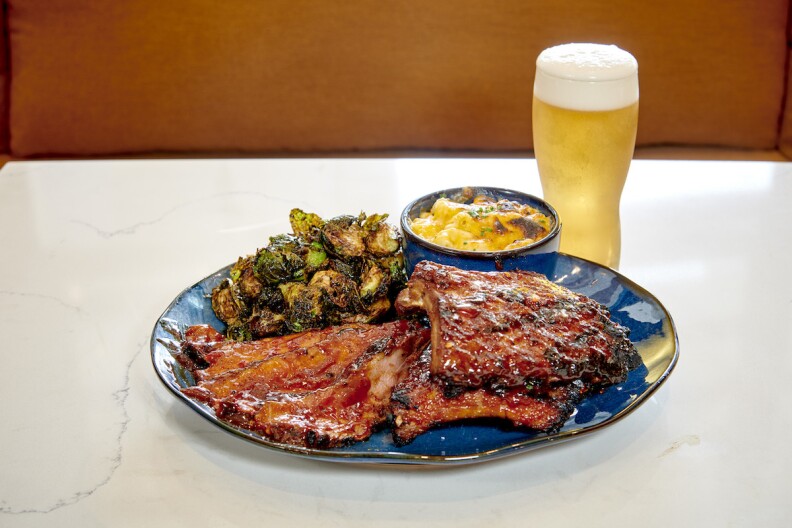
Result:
x=207 y=354
x=297 y=362
x=344 y=412
x=421 y=401
x=319 y=388
x=503 y=329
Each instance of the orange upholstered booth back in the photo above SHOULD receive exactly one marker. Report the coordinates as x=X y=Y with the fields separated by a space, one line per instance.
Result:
x=207 y=77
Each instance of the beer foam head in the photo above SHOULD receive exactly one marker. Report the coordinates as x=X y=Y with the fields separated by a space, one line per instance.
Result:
x=588 y=77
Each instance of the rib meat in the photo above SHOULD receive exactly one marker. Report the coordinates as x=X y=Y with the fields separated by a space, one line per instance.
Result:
x=506 y=329
x=319 y=388
x=422 y=401
x=207 y=354
x=341 y=413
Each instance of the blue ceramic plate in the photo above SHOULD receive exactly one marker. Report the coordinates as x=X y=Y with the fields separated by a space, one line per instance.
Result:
x=652 y=331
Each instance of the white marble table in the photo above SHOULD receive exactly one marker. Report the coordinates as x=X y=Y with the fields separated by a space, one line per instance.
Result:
x=92 y=252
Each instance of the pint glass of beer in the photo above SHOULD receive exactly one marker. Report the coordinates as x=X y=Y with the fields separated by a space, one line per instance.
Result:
x=585 y=116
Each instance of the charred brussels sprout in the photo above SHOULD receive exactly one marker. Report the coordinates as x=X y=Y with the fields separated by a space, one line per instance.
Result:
x=343 y=236
x=225 y=302
x=274 y=265
x=272 y=298
x=264 y=322
x=239 y=331
x=304 y=307
x=341 y=291
x=305 y=225
x=347 y=269
x=315 y=257
x=373 y=283
x=395 y=266
x=381 y=239
x=350 y=270
x=244 y=276
x=376 y=310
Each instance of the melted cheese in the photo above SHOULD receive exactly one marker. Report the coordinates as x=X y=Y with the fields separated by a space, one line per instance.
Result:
x=483 y=225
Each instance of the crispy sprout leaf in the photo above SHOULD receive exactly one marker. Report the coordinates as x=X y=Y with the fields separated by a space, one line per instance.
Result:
x=305 y=225
x=343 y=236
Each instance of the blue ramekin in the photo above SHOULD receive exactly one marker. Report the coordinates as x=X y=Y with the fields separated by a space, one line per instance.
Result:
x=539 y=256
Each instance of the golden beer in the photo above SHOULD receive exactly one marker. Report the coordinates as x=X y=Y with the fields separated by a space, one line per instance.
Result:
x=585 y=116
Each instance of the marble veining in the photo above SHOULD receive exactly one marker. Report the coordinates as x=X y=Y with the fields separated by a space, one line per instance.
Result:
x=44 y=426
x=201 y=203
